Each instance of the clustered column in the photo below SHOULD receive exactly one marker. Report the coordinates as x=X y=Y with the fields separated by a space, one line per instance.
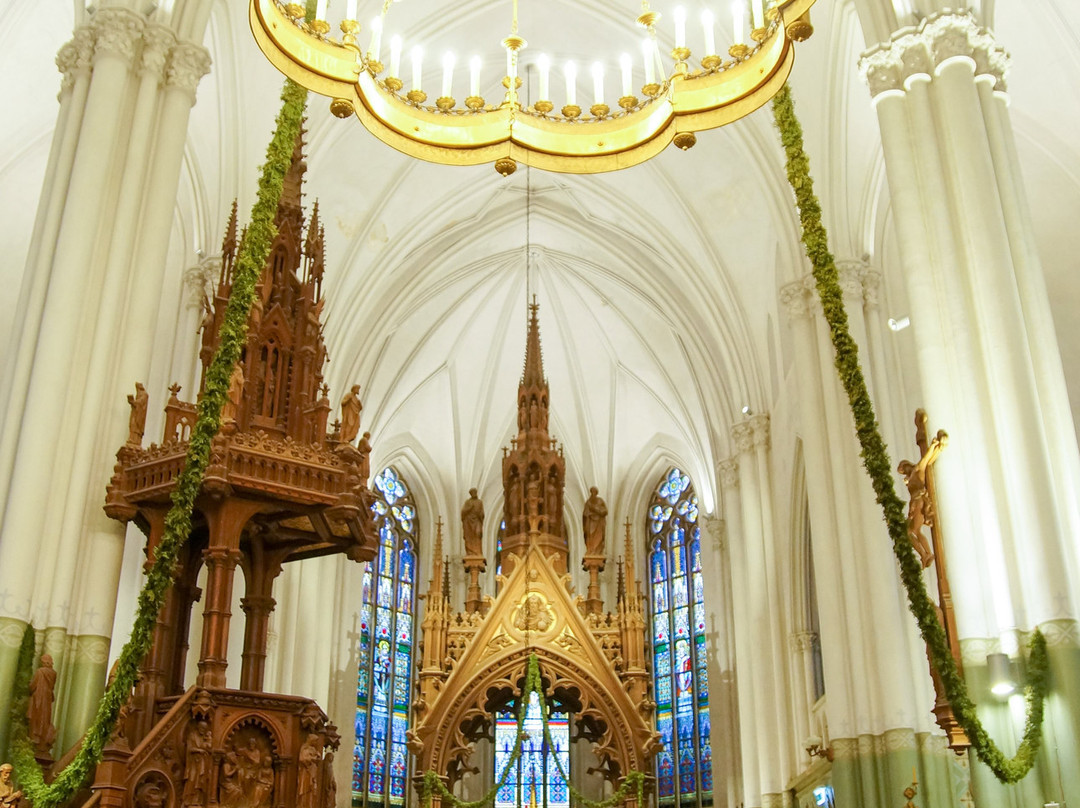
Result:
x=86 y=319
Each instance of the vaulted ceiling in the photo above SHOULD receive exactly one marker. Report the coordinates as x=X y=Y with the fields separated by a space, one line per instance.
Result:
x=657 y=284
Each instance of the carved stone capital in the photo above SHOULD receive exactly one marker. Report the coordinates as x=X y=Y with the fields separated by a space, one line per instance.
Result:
x=717 y=531
x=743 y=435
x=729 y=473
x=802 y=641
x=849 y=274
x=117 y=32
x=795 y=300
x=760 y=425
x=871 y=286
x=938 y=38
x=188 y=63
x=75 y=57
x=158 y=40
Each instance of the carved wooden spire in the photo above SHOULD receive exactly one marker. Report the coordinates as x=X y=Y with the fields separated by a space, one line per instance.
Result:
x=533 y=470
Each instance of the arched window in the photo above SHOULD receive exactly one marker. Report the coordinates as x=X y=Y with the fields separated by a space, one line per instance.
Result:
x=536 y=769
x=384 y=683
x=684 y=763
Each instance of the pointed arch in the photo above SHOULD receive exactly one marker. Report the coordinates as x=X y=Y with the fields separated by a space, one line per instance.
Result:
x=387 y=644
x=680 y=676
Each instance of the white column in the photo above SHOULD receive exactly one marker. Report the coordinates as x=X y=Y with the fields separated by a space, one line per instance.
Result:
x=989 y=361
x=749 y=724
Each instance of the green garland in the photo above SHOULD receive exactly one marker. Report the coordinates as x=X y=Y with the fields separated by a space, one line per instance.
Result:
x=249 y=263
x=878 y=466
x=433 y=783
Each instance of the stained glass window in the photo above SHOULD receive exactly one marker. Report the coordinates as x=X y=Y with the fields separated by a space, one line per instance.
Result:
x=684 y=763
x=385 y=651
x=535 y=769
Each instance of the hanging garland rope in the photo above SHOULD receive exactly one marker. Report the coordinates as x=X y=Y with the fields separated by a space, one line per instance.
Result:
x=876 y=460
x=634 y=781
x=249 y=263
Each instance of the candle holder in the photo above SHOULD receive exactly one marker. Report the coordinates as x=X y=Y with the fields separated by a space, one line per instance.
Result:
x=320 y=27
x=543 y=107
x=599 y=110
x=295 y=10
x=759 y=34
x=680 y=54
x=341 y=108
x=571 y=111
x=416 y=96
x=739 y=51
x=374 y=65
x=445 y=102
x=628 y=102
x=349 y=29
x=651 y=90
x=685 y=140
x=474 y=102
x=517 y=82
x=393 y=83
x=711 y=62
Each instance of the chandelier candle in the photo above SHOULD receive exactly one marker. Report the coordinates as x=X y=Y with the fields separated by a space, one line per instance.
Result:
x=647 y=57
x=571 y=84
x=447 y=74
x=707 y=22
x=417 y=65
x=376 y=38
x=598 y=82
x=474 y=76
x=544 y=64
x=680 y=27
x=627 y=74
x=395 y=56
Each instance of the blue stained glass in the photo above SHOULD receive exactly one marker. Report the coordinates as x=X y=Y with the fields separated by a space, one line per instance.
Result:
x=535 y=769
x=384 y=681
x=684 y=764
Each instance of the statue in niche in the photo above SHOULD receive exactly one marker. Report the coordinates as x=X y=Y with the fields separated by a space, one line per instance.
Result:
x=137 y=419
x=329 y=783
x=207 y=321
x=920 y=506
x=39 y=712
x=594 y=522
x=9 y=794
x=307 y=779
x=472 y=524
x=350 y=414
x=534 y=415
x=551 y=504
x=247 y=772
x=236 y=392
x=152 y=792
x=533 y=497
x=365 y=456
x=197 y=764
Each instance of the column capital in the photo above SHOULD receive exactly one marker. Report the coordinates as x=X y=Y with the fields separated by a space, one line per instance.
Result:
x=917 y=51
x=729 y=472
x=117 y=32
x=716 y=528
x=760 y=424
x=158 y=40
x=75 y=57
x=743 y=435
x=188 y=63
x=795 y=298
x=802 y=641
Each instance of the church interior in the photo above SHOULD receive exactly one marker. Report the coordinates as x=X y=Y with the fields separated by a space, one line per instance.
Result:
x=533 y=486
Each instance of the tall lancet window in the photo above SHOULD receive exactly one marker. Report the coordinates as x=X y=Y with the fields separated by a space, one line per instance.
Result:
x=684 y=763
x=380 y=759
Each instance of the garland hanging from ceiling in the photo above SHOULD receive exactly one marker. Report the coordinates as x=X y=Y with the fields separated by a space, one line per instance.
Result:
x=249 y=264
x=632 y=784
x=876 y=461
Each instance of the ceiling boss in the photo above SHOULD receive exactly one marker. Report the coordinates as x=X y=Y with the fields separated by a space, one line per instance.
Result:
x=665 y=95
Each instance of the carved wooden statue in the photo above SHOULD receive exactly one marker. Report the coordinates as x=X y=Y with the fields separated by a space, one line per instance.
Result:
x=350 y=414
x=472 y=524
x=594 y=522
x=137 y=419
x=198 y=762
x=39 y=711
x=9 y=794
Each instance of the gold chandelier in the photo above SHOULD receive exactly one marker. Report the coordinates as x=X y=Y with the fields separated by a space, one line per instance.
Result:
x=674 y=103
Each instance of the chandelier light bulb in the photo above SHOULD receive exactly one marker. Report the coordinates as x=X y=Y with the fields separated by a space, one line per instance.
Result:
x=647 y=58
x=543 y=63
x=571 y=83
x=376 y=39
x=738 y=22
x=395 y=56
x=656 y=57
x=350 y=10
x=320 y=10
x=707 y=23
x=474 y=76
x=680 y=27
x=417 y=66
x=757 y=9
x=447 y=74
x=598 y=82
x=627 y=66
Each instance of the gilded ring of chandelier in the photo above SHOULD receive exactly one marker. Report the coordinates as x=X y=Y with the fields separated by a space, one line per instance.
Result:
x=687 y=103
